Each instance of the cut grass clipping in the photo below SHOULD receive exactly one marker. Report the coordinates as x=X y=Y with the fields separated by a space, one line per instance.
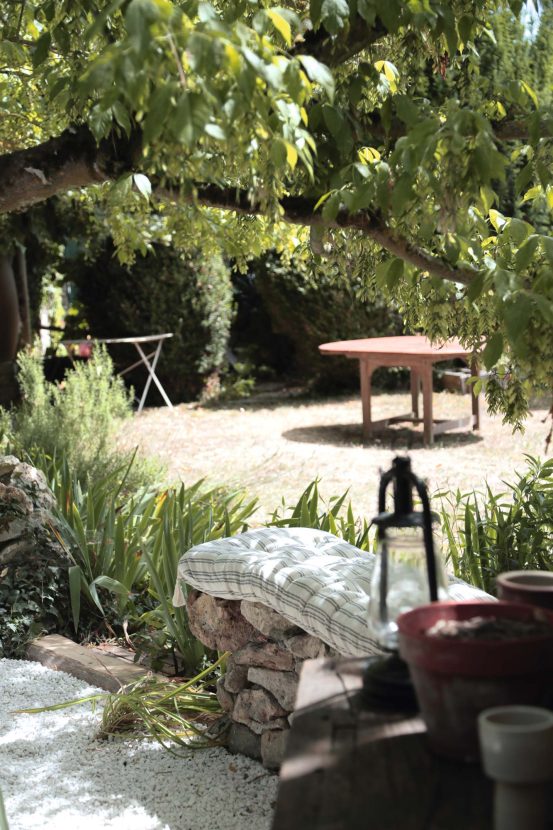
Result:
x=186 y=714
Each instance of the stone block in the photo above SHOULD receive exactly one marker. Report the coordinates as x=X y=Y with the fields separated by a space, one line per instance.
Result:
x=282 y=685
x=268 y=622
x=265 y=655
x=257 y=709
x=242 y=741
x=224 y=697
x=235 y=677
x=273 y=747
x=218 y=623
x=305 y=646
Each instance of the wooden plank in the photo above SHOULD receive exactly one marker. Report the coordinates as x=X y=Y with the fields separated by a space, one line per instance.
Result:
x=102 y=670
x=349 y=768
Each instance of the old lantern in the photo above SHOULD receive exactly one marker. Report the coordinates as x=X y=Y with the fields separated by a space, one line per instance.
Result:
x=406 y=574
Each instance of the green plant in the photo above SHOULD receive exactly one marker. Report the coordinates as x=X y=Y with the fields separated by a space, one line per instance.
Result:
x=77 y=419
x=187 y=517
x=306 y=303
x=169 y=713
x=487 y=533
x=167 y=290
x=312 y=511
x=125 y=549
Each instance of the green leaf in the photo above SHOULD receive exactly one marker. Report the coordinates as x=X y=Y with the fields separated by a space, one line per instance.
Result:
x=547 y=245
x=334 y=15
x=318 y=73
x=143 y=184
x=497 y=219
x=517 y=312
x=41 y=49
x=493 y=350
x=281 y=25
x=160 y=104
x=526 y=252
x=475 y=288
x=215 y=131
x=122 y=116
x=74 y=573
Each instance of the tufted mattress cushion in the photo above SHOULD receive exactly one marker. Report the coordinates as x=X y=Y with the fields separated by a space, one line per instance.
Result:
x=317 y=581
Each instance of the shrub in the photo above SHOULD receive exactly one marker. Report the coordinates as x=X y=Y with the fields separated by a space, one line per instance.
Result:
x=76 y=420
x=489 y=533
x=290 y=309
x=164 y=291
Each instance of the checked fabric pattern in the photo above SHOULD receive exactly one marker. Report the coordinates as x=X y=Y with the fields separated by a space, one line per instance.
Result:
x=317 y=581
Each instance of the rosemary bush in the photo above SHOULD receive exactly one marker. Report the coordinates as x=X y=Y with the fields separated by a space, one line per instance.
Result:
x=76 y=420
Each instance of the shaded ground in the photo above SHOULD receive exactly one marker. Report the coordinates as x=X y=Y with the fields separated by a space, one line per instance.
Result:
x=274 y=445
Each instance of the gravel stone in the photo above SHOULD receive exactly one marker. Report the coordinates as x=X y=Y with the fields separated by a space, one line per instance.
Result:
x=56 y=775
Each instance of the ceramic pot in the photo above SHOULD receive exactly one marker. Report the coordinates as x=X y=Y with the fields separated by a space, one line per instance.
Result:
x=532 y=587
x=457 y=678
x=517 y=753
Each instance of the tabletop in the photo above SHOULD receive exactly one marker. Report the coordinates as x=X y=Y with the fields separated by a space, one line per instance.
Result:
x=406 y=346
x=349 y=768
x=148 y=338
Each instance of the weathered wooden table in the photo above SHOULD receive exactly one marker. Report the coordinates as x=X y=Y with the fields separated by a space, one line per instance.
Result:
x=350 y=769
x=419 y=355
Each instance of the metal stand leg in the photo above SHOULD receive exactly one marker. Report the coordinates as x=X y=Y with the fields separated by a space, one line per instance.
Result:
x=151 y=369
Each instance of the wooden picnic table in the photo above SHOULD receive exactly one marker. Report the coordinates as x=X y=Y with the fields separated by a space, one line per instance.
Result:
x=419 y=355
x=348 y=768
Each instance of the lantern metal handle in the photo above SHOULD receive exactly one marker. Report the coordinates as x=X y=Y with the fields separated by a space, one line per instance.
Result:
x=427 y=523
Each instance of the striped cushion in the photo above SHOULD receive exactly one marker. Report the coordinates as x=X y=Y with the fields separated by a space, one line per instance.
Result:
x=312 y=578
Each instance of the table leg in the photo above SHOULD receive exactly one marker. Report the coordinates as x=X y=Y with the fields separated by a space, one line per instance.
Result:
x=426 y=377
x=365 y=374
x=415 y=389
x=475 y=399
x=151 y=369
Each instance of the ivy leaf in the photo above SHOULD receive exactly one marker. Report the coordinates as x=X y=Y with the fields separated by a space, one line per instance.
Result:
x=493 y=350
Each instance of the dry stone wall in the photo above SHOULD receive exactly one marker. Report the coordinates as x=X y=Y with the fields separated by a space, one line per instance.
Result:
x=258 y=690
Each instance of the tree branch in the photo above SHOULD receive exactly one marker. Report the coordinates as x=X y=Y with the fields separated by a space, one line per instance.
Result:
x=335 y=50
x=73 y=160
x=300 y=211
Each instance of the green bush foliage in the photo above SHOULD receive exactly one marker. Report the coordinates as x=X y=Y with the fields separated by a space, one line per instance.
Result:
x=125 y=546
x=76 y=420
x=486 y=534
x=164 y=291
x=304 y=305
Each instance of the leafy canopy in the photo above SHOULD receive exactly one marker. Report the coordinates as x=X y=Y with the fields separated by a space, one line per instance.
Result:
x=377 y=124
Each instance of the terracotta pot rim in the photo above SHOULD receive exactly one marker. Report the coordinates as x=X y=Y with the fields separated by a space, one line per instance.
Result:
x=510 y=579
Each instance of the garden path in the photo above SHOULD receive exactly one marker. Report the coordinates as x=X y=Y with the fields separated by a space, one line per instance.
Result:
x=273 y=445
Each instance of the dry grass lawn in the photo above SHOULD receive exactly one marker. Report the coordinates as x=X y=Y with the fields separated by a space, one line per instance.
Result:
x=273 y=445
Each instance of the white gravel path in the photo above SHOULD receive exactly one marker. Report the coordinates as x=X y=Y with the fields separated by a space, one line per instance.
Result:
x=55 y=775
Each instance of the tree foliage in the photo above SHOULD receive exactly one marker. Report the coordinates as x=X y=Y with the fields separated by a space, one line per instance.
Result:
x=376 y=124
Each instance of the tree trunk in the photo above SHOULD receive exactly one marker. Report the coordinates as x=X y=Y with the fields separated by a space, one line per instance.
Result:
x=10 y=321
